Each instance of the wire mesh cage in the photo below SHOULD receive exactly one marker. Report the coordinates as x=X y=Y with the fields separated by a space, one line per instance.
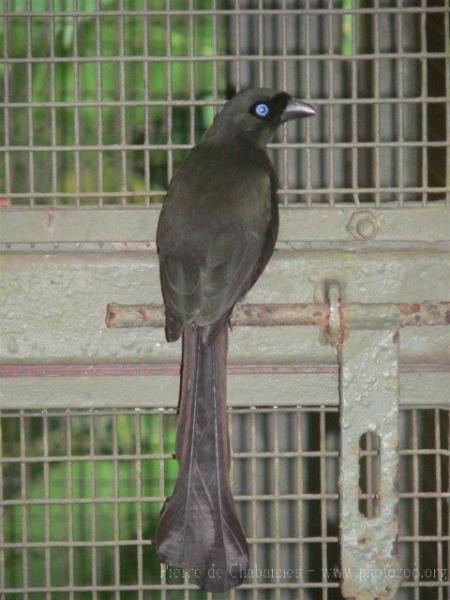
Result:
x=100 y=101
x=82 y=492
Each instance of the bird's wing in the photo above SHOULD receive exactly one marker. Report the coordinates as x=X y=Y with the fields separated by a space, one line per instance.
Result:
x=211 y=244
x=204 y=287
x=215 y=235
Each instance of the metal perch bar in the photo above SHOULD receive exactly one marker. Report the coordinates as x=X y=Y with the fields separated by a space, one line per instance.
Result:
x=356 y=316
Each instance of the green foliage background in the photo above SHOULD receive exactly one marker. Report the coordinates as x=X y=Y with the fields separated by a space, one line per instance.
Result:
x=74 y=502
x=83 y=166
x=95 y=147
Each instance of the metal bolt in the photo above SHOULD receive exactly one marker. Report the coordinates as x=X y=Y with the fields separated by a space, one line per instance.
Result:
x=365 y=228
x=363 y=225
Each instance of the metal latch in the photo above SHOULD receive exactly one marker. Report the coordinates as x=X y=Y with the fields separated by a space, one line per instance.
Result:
x=366 y=337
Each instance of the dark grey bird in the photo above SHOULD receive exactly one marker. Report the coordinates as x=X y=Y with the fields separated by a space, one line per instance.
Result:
x=216 y=233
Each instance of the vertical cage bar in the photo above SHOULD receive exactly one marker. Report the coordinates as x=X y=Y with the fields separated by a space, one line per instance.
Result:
x=45 y=464
x=29 y=65
x=23 y=496
x=376 y=105
x=76 y=111
x=308 y=95
x=300 y=505
x=438 y=473
x=254 y=549
x=70 y=495
x=448 y=499
x=191 y=50
x=122 y=109
x=99 y=111
x=116 y=526
x=237 y=62
x=284 y=69
x=94 y=512
x=276 y=505
x=415 y=515
x=53 y=121
x=169 y=90
x=447 y=93
x=323 y=501
x=2 y=511
x=162 y=488
x=215 y=50
x=424 y=105
x=354 y=113
x=147 y=120
x=260 y=26
x=231 y=437
x=6 y=96
x=330 y=112
x=139 y=502
x=399 y=107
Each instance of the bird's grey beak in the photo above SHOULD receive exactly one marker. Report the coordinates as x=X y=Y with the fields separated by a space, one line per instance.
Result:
x=296 y=109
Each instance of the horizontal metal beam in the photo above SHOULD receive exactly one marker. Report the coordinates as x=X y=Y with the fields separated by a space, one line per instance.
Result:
x=297 y=224
x=120 y=386
x=64 y=266
x=53 y=305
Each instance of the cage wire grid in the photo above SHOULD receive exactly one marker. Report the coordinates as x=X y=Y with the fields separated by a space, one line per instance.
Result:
x=101 y=100
x=82 y=490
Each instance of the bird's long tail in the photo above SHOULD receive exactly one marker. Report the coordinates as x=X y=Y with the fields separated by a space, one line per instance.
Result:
x=199 y=528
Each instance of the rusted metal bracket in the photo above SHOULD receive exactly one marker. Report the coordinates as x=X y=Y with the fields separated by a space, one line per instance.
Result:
x=366 y=337
x=369 y=403
x=369 y=393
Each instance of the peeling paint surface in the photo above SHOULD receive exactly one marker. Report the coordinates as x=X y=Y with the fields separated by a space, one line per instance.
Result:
x=54 y=304
x=369 y=397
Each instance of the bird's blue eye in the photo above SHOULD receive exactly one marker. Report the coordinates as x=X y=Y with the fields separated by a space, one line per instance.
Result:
x=261 y=110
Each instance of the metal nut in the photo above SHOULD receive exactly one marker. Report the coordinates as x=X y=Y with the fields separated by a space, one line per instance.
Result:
x=363 y=225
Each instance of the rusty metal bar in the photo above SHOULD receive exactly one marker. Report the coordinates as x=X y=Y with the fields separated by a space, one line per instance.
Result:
x=354 y=315
x=152 y=315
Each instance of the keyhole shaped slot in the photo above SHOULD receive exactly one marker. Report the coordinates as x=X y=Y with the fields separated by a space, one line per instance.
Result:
x=369 y=474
